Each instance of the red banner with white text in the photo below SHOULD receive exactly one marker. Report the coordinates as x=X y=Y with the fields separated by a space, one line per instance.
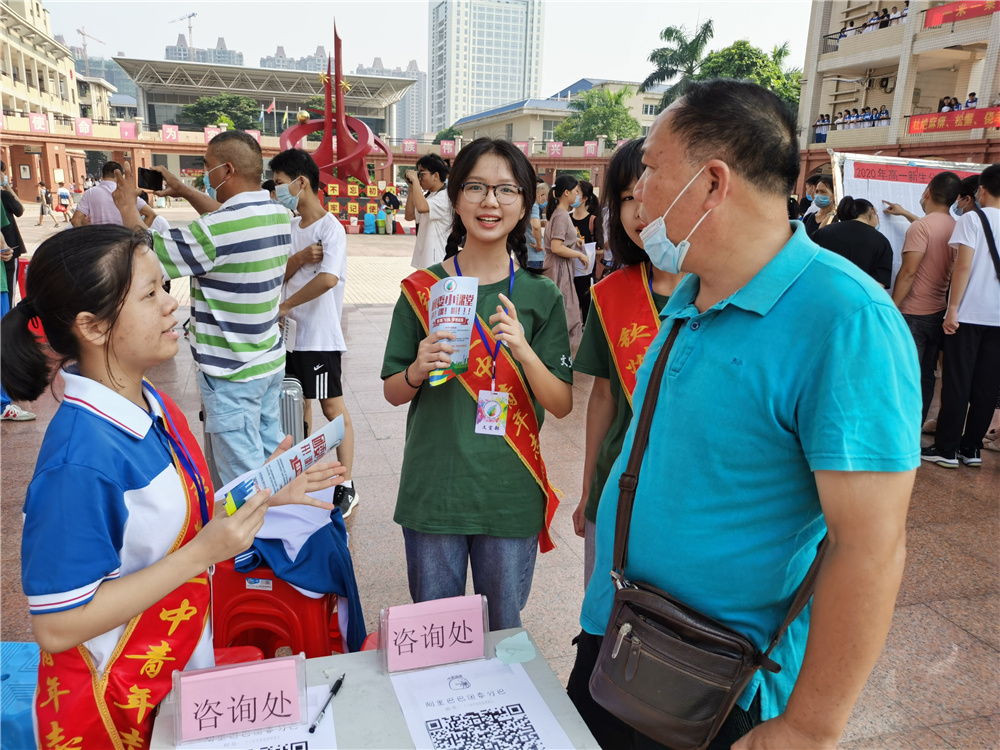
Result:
x=963 y=119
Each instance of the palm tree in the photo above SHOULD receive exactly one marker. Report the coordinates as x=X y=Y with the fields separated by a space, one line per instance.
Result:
x=594 y=98
x=682 y=58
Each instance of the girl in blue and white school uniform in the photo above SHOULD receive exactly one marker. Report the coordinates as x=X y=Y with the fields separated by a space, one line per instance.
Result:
x=119 y=528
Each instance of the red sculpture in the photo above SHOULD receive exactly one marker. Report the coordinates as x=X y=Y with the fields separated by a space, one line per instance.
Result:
x=355 y=140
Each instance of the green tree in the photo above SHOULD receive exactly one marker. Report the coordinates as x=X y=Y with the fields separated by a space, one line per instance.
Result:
x=742 y=60
x=682 y=57
x=599 y=112
x=242 y=111
x=448 y=134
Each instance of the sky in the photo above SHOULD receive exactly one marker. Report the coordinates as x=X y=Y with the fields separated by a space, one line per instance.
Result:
x=582 y=38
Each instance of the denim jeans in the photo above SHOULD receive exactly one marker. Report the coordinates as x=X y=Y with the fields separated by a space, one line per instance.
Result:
x=4 y=309
x=242 y=421
x=929 y=337
x=502 y=569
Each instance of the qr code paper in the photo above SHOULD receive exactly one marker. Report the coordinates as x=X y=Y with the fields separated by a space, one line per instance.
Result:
x=505 y=728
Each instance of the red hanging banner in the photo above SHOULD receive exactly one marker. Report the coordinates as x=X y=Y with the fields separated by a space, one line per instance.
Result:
x=960 y=11
x=963 y=119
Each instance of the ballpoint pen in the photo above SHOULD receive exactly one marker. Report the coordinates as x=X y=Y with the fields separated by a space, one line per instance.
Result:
x=333 y=691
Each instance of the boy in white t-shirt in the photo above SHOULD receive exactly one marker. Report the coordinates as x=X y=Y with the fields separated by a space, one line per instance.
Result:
x=314 y=298
x=971 y=378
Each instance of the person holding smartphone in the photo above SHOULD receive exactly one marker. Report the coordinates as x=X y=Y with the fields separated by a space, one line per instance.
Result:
x=428 y=204
x=97 y=206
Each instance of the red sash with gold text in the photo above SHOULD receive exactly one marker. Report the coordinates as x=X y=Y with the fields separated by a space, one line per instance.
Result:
x=522 y=427
x=624 y=305
x=78 y=708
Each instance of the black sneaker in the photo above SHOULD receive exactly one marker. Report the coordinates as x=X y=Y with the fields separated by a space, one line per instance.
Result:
x=970 y=456
x=944 y=459
x=346 y=498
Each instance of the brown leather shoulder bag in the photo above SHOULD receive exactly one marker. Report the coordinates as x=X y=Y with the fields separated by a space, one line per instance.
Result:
x=668 y=670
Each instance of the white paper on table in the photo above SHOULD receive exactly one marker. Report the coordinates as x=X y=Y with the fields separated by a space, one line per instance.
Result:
x=476 y=704
x=579 y=269
x=324 y=738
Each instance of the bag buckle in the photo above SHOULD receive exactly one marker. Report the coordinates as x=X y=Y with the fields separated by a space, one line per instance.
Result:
x=628 y=482
x=620 y=581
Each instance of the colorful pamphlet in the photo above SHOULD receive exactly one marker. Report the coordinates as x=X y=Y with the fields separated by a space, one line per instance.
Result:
x=453 y=308
x=277 y=473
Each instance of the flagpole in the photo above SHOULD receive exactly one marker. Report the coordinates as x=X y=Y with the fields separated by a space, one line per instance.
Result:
x=275 y=113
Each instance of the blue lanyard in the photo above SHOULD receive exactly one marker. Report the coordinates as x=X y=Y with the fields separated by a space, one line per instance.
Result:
x=479 y=326
x=182 y=455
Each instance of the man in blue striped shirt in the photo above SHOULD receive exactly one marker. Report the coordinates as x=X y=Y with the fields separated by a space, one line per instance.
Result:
x=235 y=254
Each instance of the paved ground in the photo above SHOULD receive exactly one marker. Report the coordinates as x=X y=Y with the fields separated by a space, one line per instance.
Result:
x=936 y=685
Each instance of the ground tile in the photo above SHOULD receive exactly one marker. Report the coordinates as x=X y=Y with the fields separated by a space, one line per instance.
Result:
x=935 y=670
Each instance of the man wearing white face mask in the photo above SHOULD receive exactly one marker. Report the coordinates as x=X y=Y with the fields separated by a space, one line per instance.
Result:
x=235 y=254
x=314 y=298
x=824 y=372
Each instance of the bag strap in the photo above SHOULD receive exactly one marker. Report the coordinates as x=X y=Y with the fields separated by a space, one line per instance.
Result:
x=802 y=597
x=629 y=482
x=991 y=242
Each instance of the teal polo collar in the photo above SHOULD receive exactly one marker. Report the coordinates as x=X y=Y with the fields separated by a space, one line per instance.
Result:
x=763 y=291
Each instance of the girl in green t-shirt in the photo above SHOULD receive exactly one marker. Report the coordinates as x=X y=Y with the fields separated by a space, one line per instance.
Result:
x=466 y=496
x=609 y=410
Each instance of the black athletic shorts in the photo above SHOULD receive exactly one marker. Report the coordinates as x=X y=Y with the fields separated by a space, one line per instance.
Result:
x=319 y=373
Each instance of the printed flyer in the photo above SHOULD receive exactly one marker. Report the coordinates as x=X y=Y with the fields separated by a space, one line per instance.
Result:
x=277 y=473
x=453 y=309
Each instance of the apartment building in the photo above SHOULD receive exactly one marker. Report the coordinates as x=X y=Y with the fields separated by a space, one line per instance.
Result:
x=483 y=54
x=937 y=50
x=36 y=71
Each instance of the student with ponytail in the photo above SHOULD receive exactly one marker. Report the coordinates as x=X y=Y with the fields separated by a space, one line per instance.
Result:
x=119 y=530
x=463 y=495
x=855 y=236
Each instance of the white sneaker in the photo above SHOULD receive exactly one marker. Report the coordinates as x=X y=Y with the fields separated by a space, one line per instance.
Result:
x=14 y=413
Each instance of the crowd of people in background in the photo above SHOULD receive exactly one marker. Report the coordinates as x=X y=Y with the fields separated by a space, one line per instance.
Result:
x=851 y=119
x=949 y=282
x=952 y=104
x=878 y=20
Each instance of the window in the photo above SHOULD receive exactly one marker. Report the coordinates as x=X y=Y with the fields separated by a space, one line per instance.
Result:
x=510 y=131
x=649 y=109
x=548 y=128
x=645 y=131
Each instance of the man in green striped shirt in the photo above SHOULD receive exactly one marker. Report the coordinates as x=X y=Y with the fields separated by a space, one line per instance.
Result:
x=235 y=254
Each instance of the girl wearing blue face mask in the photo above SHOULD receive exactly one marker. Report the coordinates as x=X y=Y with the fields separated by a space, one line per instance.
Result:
x=826 y=214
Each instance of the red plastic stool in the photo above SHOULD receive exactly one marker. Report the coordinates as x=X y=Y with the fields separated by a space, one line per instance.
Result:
x=245 y=615
x=237 y=655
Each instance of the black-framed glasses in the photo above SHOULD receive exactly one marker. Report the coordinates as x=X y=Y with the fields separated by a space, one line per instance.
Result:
x=476 y=192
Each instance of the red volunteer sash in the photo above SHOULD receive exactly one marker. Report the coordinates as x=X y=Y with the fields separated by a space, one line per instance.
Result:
x=79 y=709
x=522 y=427
x=624 y=305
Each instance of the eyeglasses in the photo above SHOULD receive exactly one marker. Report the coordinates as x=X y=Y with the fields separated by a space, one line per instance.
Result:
x=421 y=175
x=476 y=192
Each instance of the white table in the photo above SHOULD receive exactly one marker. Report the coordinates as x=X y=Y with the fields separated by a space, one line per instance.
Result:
x=367 y=714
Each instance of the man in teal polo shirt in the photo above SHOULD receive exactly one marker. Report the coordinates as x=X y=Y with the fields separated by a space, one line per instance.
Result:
x=807 y=360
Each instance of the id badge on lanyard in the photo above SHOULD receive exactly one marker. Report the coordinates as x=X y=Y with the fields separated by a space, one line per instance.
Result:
x=491 y=413
x=491 y=408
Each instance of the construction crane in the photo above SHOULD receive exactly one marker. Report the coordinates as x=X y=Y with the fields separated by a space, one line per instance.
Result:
x=82 y=31
x=188 y=18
